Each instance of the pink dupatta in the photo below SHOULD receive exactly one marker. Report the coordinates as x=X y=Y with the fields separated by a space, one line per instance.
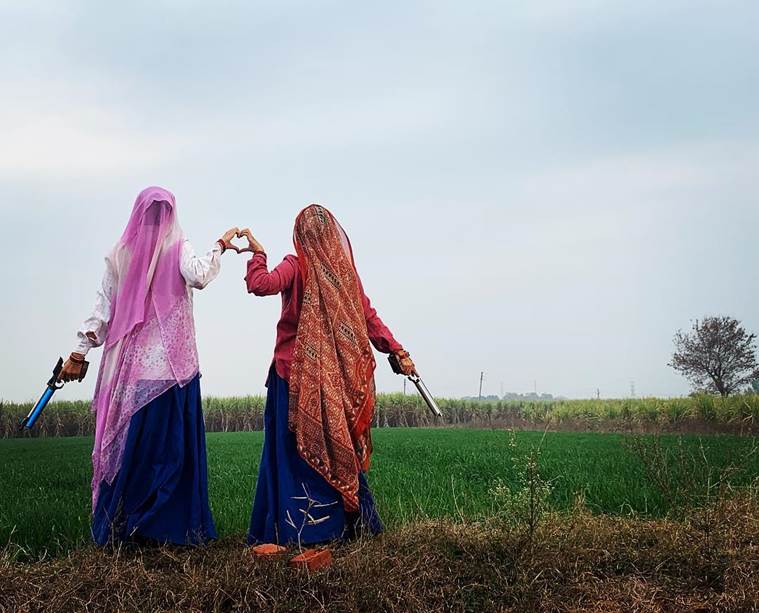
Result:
x=150 y=344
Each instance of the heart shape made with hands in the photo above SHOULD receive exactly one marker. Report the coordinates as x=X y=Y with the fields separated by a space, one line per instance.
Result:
x=237 y=248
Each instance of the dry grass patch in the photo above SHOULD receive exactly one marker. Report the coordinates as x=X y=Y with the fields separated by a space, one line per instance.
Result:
x=574 y=562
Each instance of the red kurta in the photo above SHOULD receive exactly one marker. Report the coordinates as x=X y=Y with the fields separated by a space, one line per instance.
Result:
x=286 y=279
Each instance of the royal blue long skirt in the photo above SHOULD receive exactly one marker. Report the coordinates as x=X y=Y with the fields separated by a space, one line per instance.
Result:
x=160 y=493
x=291 y=498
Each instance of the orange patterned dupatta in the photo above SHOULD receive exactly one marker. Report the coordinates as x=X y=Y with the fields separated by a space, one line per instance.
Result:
x=332 y=376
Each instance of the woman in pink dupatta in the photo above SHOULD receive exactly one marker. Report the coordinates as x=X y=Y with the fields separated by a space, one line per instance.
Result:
x=149 y=458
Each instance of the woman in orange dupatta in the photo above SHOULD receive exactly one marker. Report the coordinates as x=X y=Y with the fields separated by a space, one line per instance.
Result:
x=312 y=485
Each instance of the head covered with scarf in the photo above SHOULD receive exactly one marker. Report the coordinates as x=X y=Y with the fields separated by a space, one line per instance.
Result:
x=150 y=343
x=332 y=390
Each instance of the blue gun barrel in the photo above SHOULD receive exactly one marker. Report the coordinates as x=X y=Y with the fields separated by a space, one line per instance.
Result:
x=52 y=385
x=37 y=410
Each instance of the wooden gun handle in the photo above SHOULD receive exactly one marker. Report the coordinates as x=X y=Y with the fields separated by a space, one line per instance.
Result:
x=395 y=364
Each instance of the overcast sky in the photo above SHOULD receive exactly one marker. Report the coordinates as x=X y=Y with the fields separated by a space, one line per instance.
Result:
x=545 y=190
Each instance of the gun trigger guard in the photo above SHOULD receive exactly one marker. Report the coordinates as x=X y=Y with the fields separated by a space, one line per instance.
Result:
x=58 y=384
x=414 y=378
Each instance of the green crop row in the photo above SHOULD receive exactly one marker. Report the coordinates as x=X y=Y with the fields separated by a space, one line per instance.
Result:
x=736 y=414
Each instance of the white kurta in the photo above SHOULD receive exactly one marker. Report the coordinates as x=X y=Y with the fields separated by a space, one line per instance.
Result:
x=198 y=271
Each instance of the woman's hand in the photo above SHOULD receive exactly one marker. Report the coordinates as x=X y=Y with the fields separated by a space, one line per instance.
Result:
x=253 y=245
x=406 y=363
x=72 y=368
x=226 y=240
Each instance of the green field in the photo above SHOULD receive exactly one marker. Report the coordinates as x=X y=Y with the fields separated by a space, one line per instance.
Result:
x=416 y=473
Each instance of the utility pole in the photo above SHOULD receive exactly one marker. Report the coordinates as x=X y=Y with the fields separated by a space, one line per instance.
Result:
x=482 y=376
x=404 y=386
x=598 y=393
x=632 y=389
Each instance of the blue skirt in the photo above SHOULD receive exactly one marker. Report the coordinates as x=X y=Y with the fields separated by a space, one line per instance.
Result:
x=161 y=490
x=288 y=488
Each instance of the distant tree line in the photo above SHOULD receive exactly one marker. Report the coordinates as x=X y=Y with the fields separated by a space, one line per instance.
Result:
x=514 y=396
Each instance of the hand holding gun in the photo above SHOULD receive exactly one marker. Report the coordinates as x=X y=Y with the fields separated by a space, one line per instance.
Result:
x=402 y=364
x=75 y=368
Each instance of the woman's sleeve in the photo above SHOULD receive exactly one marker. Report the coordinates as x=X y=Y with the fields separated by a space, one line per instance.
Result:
x=261 y=282
x=94 y=329
x=199 y=271
x=379 y=334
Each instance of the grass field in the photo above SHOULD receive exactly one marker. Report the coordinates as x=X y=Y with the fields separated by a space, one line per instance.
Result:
x=416 y=474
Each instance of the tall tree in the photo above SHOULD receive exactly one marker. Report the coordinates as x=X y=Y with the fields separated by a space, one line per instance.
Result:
x=717 y=355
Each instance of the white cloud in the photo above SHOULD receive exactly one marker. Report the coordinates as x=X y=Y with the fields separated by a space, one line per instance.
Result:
x=76 y=128
x=645 y=178
x=55 y=130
